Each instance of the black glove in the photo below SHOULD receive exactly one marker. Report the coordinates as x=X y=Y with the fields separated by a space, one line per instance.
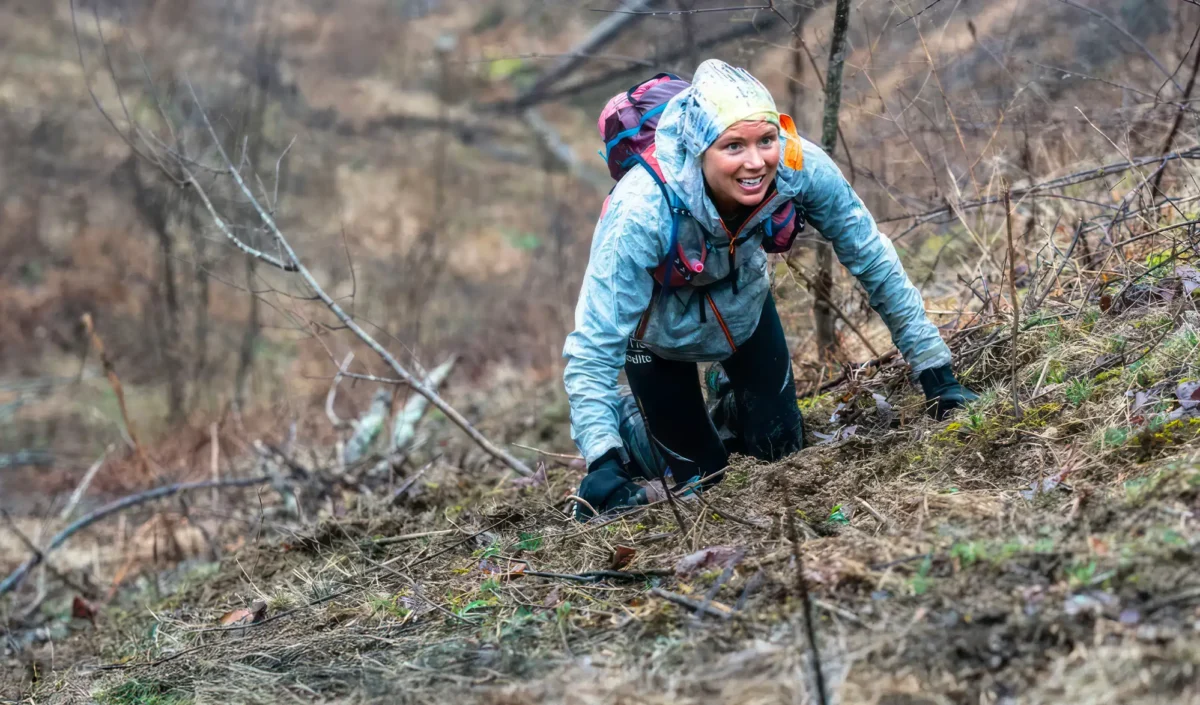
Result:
x=607 y=486
x=943 y=392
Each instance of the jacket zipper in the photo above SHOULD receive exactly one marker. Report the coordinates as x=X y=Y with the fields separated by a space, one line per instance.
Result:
x=733 y=242
x=721 y=320
x=732 y=237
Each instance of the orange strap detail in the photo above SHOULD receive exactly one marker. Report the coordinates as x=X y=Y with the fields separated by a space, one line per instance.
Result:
x=724 y=328
x=793 y=154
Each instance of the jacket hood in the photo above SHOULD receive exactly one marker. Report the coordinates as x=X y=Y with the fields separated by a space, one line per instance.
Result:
x=720 y=95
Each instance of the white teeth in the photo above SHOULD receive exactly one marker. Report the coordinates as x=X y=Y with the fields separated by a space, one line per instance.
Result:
x=750 y=182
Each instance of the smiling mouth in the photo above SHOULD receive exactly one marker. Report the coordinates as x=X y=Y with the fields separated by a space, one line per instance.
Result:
x=750 y=183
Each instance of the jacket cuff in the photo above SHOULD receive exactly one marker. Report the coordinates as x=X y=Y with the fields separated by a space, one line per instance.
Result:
x=939 y=357
x=602 y=445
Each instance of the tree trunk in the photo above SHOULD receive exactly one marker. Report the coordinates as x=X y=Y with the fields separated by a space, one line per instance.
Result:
x=249 y=340
x=200 y=335
x=826 y=339
x=175 y=381
x=155 y=210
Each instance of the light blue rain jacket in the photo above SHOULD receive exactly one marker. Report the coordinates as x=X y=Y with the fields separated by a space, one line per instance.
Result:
x=633 y=236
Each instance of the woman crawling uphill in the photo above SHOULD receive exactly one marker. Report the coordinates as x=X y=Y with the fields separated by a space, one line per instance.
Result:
x=711 y=177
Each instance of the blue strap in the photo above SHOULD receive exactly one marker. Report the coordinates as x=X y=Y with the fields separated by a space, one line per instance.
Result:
x=789 y=219
x=633 y=130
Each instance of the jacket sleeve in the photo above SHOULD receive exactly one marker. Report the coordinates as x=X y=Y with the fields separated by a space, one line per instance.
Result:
x=617 y=287
x=831 y=205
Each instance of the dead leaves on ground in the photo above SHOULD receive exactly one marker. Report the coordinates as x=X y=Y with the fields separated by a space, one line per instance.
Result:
x=255 y=614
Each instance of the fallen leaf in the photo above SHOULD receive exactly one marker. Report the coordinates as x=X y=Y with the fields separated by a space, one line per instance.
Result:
x=490 y=568
x=82 y=609
x=1105 y=302
x=234 y=617
x=621 y=557
x=1188 y=394
x=1189 y=276
x=552 y=599
x=1098 y=546
x=705 y=558
x=1048 y=484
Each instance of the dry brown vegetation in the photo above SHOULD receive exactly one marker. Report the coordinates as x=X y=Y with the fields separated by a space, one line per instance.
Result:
x=1045 y=555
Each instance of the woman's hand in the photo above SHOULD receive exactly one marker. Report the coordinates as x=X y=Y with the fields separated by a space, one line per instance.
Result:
x=607 y=487
x=943 y=392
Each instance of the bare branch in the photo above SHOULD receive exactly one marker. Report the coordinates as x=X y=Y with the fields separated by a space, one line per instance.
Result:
x=417 y=385
x=84 y=484
x=599 y=37
x=337 y=422
x=61 y=537
x=224 y=227
x=649 y=13
x=922 y=11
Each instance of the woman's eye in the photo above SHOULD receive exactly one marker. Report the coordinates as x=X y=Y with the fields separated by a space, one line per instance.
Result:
x=733 y=146
x=767 y=141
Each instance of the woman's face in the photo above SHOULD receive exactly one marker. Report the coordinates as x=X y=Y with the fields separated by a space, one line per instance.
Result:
x=740 y=165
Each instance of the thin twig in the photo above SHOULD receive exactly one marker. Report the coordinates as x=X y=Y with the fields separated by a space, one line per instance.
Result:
x=84 y=484
x=809 y=625
x=337 y=421
x=716 y=609
x=683 y=525
x=115 y=382
x=1012 y=290
x=548 y=454
x=680 y=12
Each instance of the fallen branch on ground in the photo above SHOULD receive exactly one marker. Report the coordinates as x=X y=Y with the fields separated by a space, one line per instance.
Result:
x=716 y=609
x=14 y=578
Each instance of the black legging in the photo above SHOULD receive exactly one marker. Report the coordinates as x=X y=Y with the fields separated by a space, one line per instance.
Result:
x=768 y=422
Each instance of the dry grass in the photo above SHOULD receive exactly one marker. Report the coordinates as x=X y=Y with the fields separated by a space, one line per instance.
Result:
x=967 y=591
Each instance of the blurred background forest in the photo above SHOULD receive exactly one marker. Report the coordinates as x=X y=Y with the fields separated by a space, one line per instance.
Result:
x=435 y=166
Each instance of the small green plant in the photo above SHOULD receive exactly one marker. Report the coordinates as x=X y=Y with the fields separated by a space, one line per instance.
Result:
x=563 y=612
x=491 y=551
x=1088 y=320
x=737 y=479
x=1079 y=391
x=472 y=606
x=1080 y=574
x=388 y=605
x=529 y=542
x=921 y=582
x=489 y=587
x=1115 y=437
x=837 y=516
x=968 y=553
x=280 y=601
x=137 y=692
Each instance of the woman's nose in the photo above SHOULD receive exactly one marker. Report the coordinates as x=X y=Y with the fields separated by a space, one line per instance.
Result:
x=754 y=159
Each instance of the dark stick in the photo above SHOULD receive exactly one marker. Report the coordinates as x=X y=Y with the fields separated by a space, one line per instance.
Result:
x=683 y=526
x=59 y=539
x=1170 y=141
x=809 y=627
x=1012 y=292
